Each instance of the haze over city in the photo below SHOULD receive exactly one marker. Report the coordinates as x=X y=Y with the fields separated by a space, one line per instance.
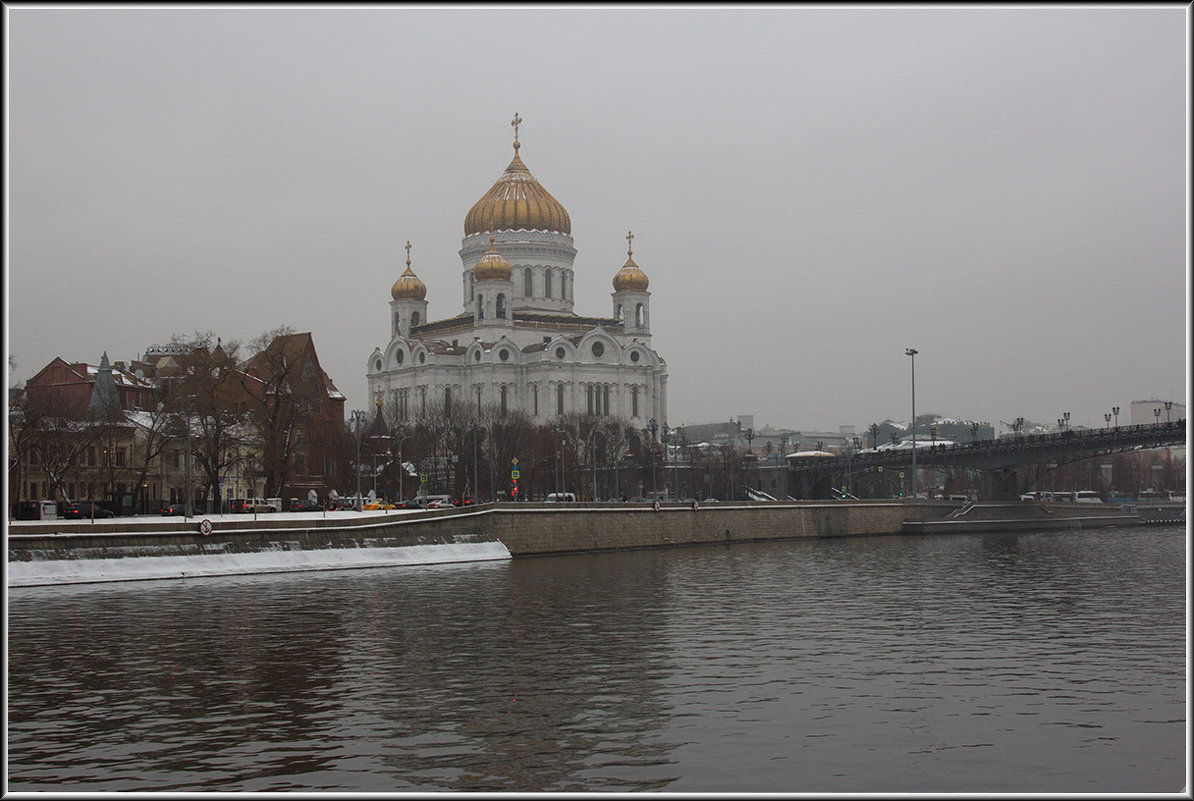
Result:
x=811 y=190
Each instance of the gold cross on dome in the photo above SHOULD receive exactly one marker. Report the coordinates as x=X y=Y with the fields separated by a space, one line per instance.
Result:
x=515 y=123
x=629 y=250
x=408 y=253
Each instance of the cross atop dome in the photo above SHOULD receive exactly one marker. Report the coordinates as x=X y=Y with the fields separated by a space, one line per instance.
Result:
x=629 y=236
x=515 y=123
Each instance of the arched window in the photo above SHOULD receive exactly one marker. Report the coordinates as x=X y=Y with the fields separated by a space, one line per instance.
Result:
x=501 y=306
x=638 y=315
x=503 y=399
x=397 y=322
x=414 y=319
x=547 y=283
x=619 y=312
x=634 y=401
x=526 y=281
x=559 y=399
x=480 y=309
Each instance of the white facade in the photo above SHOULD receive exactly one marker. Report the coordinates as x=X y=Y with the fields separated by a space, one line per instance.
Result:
x=517 y=343
x=1147 y=412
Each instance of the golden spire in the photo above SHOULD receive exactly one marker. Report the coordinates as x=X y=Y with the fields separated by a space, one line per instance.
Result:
x=493 y=266
x=630 y=278
x=408 y=286
x=517 y=202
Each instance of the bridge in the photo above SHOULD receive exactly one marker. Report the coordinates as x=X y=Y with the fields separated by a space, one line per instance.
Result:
x=813 y=477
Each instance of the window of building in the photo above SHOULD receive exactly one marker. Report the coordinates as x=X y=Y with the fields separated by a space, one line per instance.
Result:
x=503 y=399
x=120 y=457
x=639 y=315
x=480 y=308
x=605 y=400
x=504 y=354
x=399 y=355
x=559 y=353
x=414 y=319
x=32 y=490
x=547 y=283
x=634 y=401
x=535 y=398
x=634 y=357
x=91 y=457
x=526 y=282
x=500 y=307
x=559 y=399
x=598 y=349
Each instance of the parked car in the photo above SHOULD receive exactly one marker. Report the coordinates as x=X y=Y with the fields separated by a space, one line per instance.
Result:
x=463 y=502
x=306 y=505
x=85 y=510
x=256 y=505
x=373 y=506
x=174 y=509
x=561 y=497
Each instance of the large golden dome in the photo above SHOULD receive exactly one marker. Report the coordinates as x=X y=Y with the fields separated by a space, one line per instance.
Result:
x=517 y=201
x=630 y=278
x=408 y=286
x=492 y=266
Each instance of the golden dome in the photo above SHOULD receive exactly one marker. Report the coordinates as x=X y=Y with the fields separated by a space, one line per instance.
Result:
x=492 y=266
x=408 y=286
x=630 y=278
x=517 y=201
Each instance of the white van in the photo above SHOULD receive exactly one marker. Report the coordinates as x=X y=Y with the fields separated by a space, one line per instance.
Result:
x=561 y=497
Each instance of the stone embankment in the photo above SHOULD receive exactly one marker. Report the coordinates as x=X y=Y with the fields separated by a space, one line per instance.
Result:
x=538 y=529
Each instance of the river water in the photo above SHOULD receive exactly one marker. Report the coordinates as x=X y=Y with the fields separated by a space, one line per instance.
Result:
x=1017 y=662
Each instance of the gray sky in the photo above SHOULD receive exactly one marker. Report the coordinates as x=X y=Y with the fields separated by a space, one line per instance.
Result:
x=812 y=190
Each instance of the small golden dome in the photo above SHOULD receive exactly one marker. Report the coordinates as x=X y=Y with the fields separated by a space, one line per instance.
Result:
x=630 y=278
x=517 y=202
x=408 y=286
x=492 y=266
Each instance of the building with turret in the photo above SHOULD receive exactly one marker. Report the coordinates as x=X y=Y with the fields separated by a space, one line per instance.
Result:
x=518 y=344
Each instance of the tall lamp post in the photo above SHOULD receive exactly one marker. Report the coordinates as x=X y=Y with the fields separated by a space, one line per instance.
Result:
x=1115 y=411
x=652 y=426
x=912 y=352
x=358 y=415
x=1168 y=409
x=1107 y=420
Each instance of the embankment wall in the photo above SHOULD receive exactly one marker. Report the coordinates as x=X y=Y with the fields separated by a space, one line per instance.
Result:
x=525 y=529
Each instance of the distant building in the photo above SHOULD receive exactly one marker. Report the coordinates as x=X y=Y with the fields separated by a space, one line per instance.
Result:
x=1147 y=412
x=115 y=432
x=518 y=344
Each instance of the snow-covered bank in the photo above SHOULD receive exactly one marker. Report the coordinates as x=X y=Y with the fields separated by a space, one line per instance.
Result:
x=81 y=571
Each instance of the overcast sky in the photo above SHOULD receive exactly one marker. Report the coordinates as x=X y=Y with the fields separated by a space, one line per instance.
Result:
x=811 y=190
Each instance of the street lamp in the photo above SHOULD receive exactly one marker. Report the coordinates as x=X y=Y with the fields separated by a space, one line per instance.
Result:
x=1066 y=417
x=912 y=352
x=652 y=426
x=1106 y=419
x=1157 y=415
x=358 y=415
x=1115 y=411
x=1168 y=408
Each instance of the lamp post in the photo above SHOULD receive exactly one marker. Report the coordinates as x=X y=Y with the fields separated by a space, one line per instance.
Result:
x=1168 y=408
x=1157 y=415
x=358 y=415
x=1066 y=416
x=1107 y=420
x=666 y=437
x=652 y=426
x=1115 y=411
x=401 y=469
x=912 y=352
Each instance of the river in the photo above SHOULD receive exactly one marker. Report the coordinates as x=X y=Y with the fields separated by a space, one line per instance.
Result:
x=1016 y=662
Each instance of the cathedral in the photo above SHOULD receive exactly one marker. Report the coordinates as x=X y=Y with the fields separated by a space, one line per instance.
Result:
x=517 y=344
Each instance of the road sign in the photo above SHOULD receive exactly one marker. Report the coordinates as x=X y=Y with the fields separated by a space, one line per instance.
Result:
x=514 y=460
x=514 y=474
x=205 y=527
